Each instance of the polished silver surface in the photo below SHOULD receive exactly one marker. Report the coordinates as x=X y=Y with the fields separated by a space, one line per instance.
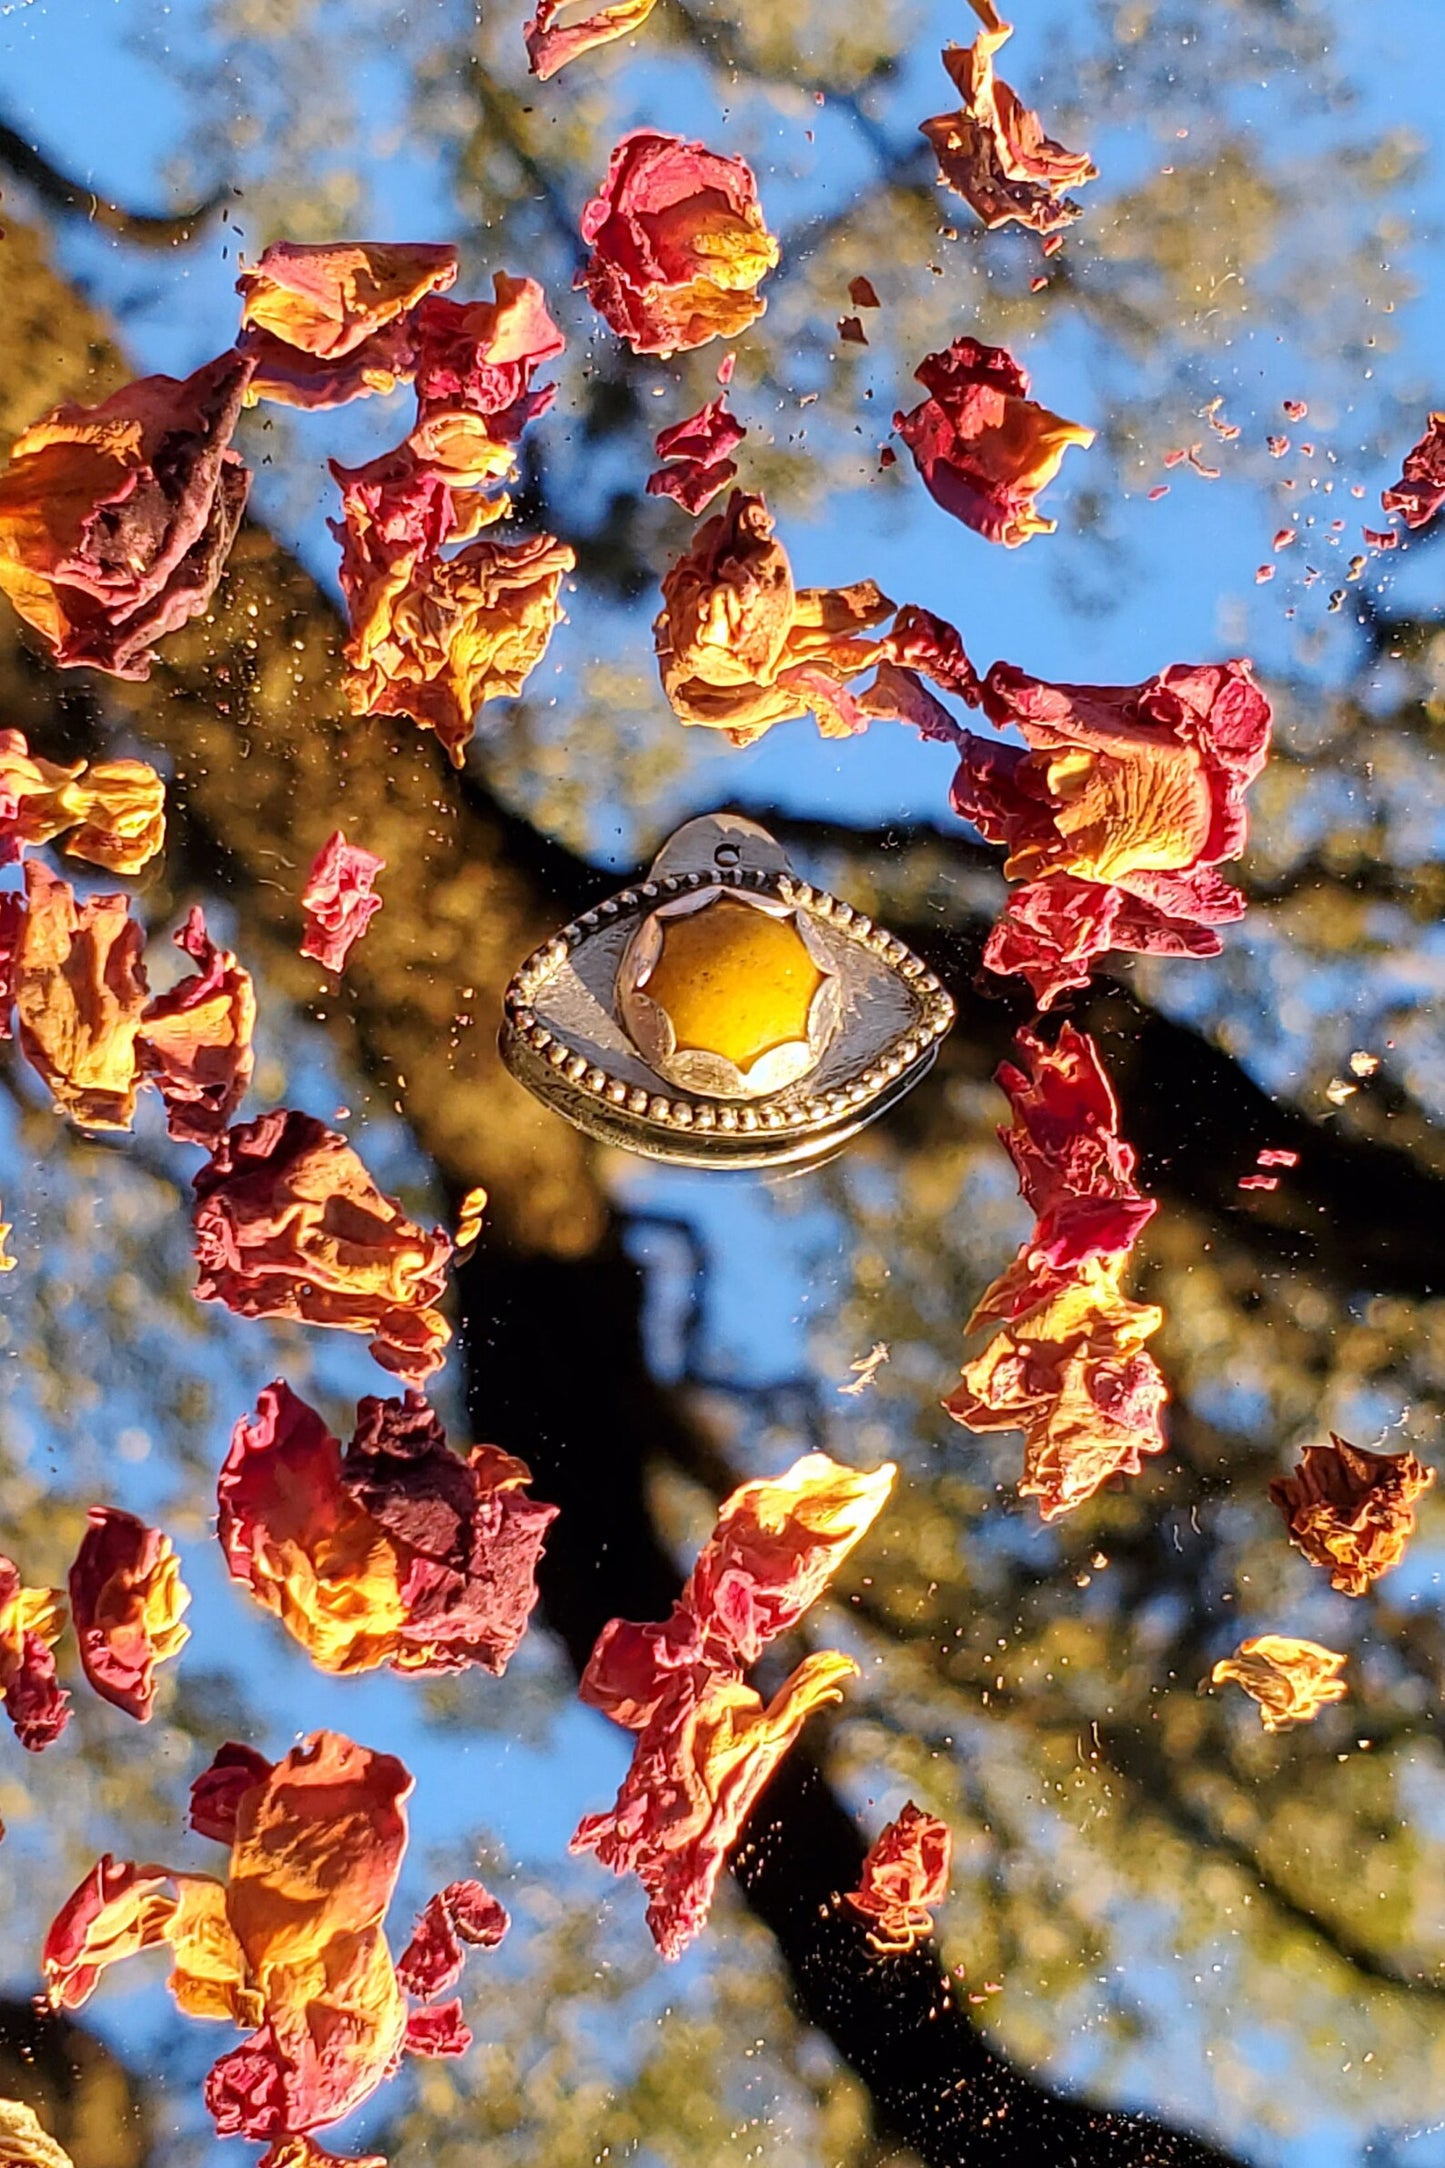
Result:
x=869 y=1037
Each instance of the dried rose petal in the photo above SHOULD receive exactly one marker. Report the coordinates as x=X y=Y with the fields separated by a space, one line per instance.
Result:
x=993 y=151
x=116 y=520
x=194 y=1042
x=114 y=809
x=460 y=631
x=328 y=322
x=218 y=1791
x=679 y=246
x=24 y=2143
x=1071 y=1373
x=699 y=455
x=80 y=991
x=1117 y=814
x=463 y=1912
x=474 y=366
x=698 y=1768
x=438 y=2031
x=31 y=1622
x=127 y=1599
x=982 y=446
x=550 y=44
x=338 y=900
x=706 y=1745
x=862 y=294
x=1420 y=491
x=1351 y=1511
x=290 y=1224
x=739 y=648
x=1074 y=1169
x=398 y=1552
x=904 y=1877
x=1291 y=1680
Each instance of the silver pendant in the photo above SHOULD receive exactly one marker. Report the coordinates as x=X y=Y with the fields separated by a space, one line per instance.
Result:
x=723 y=1013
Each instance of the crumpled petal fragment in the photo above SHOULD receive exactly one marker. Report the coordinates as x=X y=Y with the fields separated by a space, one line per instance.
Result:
x=25 y=2143
x=698 y=456
x=80 y=991
x=1292 y=1680
x=993 y=151
x=439 y=2031
x=116 y=520
x=463 y=1912
x=194 y=1041
x=114 y=809
x=697 y=1771
x=1352 y=1511
x=1075 y=1171
x=127 y=1599
x=739 y=648
x=338 y=900
x=301 y=2151
x=318 y=1848
x=1117 y=814
x=328 y=322
x=706 y=1745
x=982 y=446
x=475 y=361
x=454 y=632
x=1072 y=1374
x=551 y=44
x=290 y=1224
x=904 y=1876
x=31 y=1622
x=397 y=1552
x=679 y=245
x=291 y=1947
x=1420 y=491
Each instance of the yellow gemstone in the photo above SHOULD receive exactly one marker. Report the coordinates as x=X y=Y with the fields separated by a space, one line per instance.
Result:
x=734 y=981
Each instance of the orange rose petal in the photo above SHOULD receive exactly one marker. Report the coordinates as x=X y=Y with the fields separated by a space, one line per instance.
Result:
x=905 y=1875
x=290 y=1224
x=1291 y=1680
x=551 y=43
x=127 y=1599
x=80 y=991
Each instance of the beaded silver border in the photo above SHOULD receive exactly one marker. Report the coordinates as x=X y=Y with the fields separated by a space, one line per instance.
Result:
x=711 y=1117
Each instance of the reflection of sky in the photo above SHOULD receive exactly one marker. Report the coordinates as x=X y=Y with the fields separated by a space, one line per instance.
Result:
x=1170 y=579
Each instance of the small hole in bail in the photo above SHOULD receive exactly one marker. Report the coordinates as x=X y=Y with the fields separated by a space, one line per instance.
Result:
x=727 y=854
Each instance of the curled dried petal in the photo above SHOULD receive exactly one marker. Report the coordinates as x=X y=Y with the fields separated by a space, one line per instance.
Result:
x=1116 y=816
x=697 y=1771
x=1291 y=1680
x=551 y=43
x=679 y=246
x=1351 y=1511
x=338 y=900
x=475 y=361
x=739 y=648
x=80 y=990
x=456 y=633
x=127 y=1599
x=993 y=151
x=116 y=520
x=218 y=1791
x=1072 y=1374
x=441 y=2030
x=904 y=1876
x=1074 y=1169
x=24 y=2143
x=982 y=446
x=698 y=455
x=328 y=322
x=398 y=1552
x=463 y=1912
x=194 y=1041
x=290 y=1224
x=31 y=1622
x=115 y=809
x=1420 y=491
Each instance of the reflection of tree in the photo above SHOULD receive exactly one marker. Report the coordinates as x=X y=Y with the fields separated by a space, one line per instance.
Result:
x=1038 y=1688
